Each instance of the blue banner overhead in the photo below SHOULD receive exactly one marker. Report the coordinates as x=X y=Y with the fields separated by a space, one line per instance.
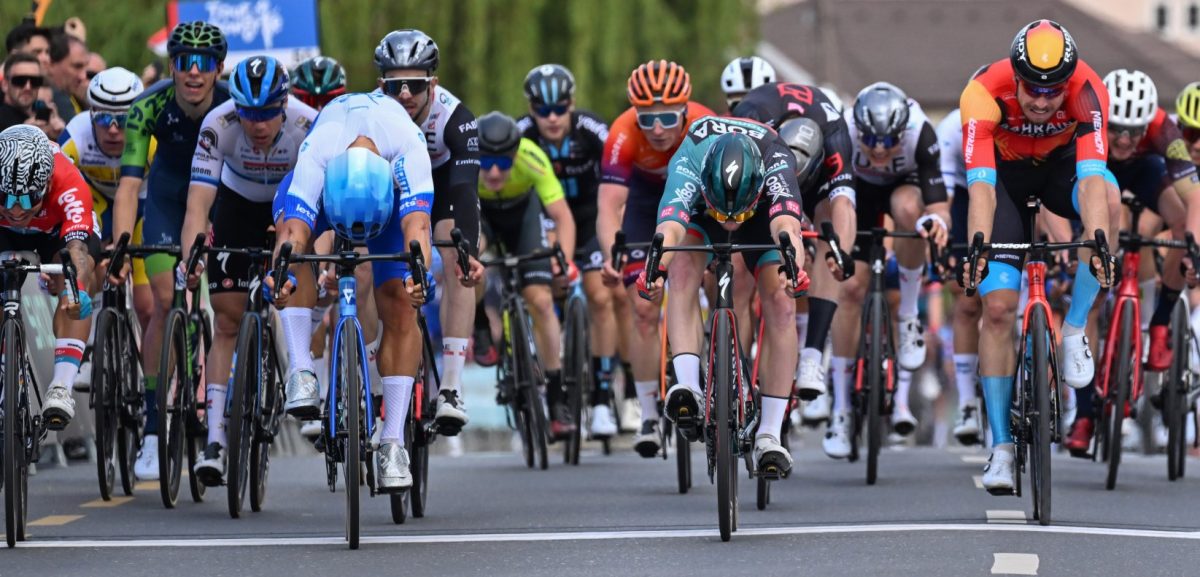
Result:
x=285 y=29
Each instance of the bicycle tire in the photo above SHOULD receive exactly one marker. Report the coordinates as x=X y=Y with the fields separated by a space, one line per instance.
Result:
x=421 y=438
x=399 y=501
x=1119 y=392
x=106 y=366
x=875 y=384
x=14 y=435
x=247 y=375
x=531 y=372
x=172 y=428
x=131 y=394
x=726 y=465
x=577 y=364
x=1039 y=445
x=683 y=462
x=1174 y=394
x=350 y=390
x=196 y=414
x=270 y=411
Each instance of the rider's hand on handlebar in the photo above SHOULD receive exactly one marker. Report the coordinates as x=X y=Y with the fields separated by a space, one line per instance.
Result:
x=651 y=291
x=937 y=232
x=471 y=278
x=192 y=280
x=416 y=292
x=280 y=299
x=965 y=274
x=610 y=275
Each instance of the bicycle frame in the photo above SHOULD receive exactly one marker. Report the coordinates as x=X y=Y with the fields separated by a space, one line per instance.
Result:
x=1127 y=295
x=347 y=320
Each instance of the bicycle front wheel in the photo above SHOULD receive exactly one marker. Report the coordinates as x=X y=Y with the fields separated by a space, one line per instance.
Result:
x=1039 y=443
x=269 y=411
x=1119 y=394
x=172 y=418
x=15 y=433
x=875 y=385
x=1174 y=393
x=577 y=370
x=723 y=380
x=247 y=375
x=422 y=437
x=350 y=382
x=106 y=373
x=531 y=380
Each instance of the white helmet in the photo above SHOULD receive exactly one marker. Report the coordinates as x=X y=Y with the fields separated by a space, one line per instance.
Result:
x=745 y=74
x=1133 y=99
x=114 y=89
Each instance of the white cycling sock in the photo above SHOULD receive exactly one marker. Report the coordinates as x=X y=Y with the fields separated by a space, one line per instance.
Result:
x=687 y=370
x=647 y=392
x=1149 y=301
x=801 y=330
x=397 y=392
x=214 y=403
x=966 y=368
x=842 y=368
x=910 y=291
x=773 y=409
x=68 y=354
x=904 y=379
x=297 y=330
x=454 y=357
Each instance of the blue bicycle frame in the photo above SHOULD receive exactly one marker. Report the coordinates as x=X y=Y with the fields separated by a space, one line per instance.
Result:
x=348 y=320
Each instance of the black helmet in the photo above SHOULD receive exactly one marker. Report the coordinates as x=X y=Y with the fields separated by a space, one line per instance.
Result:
x=549 y=84
x=732 y=174
x=319 y=75
x=804 y=137
x=405 y=49
x=881 y=110
x=197 y=36
x=498 y=134
x=1043 y=53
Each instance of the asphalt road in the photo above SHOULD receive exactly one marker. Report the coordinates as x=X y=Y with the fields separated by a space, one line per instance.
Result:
x=622 y=515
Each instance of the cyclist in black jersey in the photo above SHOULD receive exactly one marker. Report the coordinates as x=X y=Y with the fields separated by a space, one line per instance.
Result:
x=573 y=139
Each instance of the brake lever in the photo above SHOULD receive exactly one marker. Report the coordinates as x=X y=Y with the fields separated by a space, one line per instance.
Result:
x=281 y=266
x=417 y=258
x=835 y=250
x=68 y=270
x=460 y=247
x=973 y=255
x=789 y=263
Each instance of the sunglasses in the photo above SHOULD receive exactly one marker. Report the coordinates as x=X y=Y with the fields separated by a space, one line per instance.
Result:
x=722 y=218
x=318 y=101
x=1131 y=132
x=886 y=141
x=414 y=86
x=18 y=200
x=647 y=120
x=259 y=114
x=108 y=119
x=545 y=110
x=486 y=162
x=1043 y=91
x=203 y=62
x=26 y=81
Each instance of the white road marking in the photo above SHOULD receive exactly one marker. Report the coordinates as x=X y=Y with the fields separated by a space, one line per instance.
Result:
x=615 y=535
x=1005 y=516
x=978 y=481
x=1014 y=564
x=975 y=459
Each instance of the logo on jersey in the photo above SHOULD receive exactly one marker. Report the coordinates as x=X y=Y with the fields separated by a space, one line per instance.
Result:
x=72 y=206
x=208 y=140
x=969 y=151
x=715 y=126
x=777 y=189
x=831 y=113
x=1098 y=131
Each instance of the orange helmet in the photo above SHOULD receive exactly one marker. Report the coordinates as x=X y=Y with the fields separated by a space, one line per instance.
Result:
x=659 y=82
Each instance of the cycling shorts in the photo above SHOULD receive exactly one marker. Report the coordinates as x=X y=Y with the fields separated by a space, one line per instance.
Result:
x=237 y=223
x=516 y=226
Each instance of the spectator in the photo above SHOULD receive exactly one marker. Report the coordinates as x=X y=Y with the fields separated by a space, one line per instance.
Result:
x=31 y=39
x=68 y=72
x=22 y=79
x=96 y=64
x=153 y=72
x=55 y=126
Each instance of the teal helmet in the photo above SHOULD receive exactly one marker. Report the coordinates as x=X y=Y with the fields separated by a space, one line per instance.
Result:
x=197 y=36
x=732 y=175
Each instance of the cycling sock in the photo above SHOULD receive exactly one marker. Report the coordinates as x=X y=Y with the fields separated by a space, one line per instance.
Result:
x=602 y=383
x=297 y=330
x=997 y=393
x=68 y=354
x=820 y=317
x=687 y=370
x=647 y=395
x=627 y=377
x=1084 y=402
x=554 y=390
x=1083 y=295
x=397 y=392
x=842 y=368
x=151 y=398
x=214 y=396
x=316 y=316
x=966 y=367
x=801 y=329
x=910 y=291
x=904 y=379
x=771 y=424
x=1162 y=312
x=1149 y=289
x=454 y=357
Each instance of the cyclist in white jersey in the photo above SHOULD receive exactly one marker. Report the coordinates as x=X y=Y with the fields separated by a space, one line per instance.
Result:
x=246 y=146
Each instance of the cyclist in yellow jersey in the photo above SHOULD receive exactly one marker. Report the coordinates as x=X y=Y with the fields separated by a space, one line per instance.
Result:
x=510 y=167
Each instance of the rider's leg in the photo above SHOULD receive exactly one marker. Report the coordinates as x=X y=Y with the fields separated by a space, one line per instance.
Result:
x=644 y=357
x=229 y=307
x=399 y=354
x=967 y=311
x=906 y=208
x=162 y=287
x=779 y=310
x=686 y=272
x=846 y=329
x=457 y=312
x=743 y=293
x=603 y=335
x=996 y=357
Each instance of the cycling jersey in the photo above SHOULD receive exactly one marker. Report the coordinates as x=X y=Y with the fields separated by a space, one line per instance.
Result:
x=156 y=115
x=530 y=170
x=954 y=169
x=101 y=171
x=66 y=209
x=995 y=128
x=1164 y=138
x=919 y=158
x=223 y=154
x=627 y=154
x=576 y=159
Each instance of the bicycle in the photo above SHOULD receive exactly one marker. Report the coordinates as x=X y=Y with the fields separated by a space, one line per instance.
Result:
x=254 y=406
x=348 y=419
x=24 y=431
x=1035 y=411
x=730 y=414
x=187 y=334
x=1180 y=386
x=1120 y=381
x=875 y=371
x=117 y=396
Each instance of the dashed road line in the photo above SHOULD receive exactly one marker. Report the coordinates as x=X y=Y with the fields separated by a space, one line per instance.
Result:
x=1014 y=564
x=102 y=504
x=978 y=479
x=1005 y=516
x=975 y=459
x=54 y=520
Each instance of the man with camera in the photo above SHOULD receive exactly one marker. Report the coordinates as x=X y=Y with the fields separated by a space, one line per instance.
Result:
x=21 y=84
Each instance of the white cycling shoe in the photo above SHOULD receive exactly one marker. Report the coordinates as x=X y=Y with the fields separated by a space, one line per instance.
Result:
x=911 y=352
x=817 y=410
x=1078 y=367
x=810 y=378
x=999 y=474
x=394 y=474
x=303 y=396
x=966 y=430
x=145 y=467
x=837 y=438
x=603 y=425
x=58 y=407
x=903 y=421
x=771 y=458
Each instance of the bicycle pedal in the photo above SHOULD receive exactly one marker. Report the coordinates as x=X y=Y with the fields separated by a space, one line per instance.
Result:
x=772 y=469
x=1002 y=492
x=808 y=394
x=448 y=427
x=56 y=421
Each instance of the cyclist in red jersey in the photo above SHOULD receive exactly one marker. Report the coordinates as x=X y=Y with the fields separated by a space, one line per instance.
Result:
x=1033 y=124
x=47 y=206
x=633 y=173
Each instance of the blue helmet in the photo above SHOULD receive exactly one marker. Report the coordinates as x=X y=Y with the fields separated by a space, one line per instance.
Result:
x=258 y=82
x=358 y=198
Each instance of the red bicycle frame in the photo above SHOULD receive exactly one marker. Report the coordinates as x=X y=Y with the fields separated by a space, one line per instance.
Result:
x=1127 y=295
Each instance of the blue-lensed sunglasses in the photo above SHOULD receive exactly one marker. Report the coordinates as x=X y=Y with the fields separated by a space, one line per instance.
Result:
x=108 y=119
x=887 y=141
x=1046 y=91
x=486 y=162
x=259 y=114
x=203 y=62
x=22 y=200
x=545 y=110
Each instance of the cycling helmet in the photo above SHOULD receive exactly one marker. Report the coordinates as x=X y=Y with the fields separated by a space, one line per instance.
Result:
x=358 y=199
x=881 y=110
x=1133 y=99
x=26 y=162
x=318 y=80
x=804 y=137
x=498 y=134
x=659 y=82
x=197 y=36
x=732 y=174
x=1187 y=106
x=405 y=49
x=258 y=82
x=742 y=75
x=549 y=84
x=1043 y=53
x=113 y=89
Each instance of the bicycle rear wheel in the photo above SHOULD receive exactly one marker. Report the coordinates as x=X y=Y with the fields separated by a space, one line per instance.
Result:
x=106 y=384
x=195 y=413
x=15 y=433
x=131 y=404
x=1119 y=390
x=877 y=331
x=1039 y=443
x=350 y=382
x=1174 y=393
x=270 y=412
x=722 y=382
x=531 y=380
x=172 y=421
x=247 y=376
x=577 y=373
x=421 y=438
x=399 y=501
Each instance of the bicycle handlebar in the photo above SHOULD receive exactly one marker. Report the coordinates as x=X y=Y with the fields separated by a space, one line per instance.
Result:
x=351 y=259
x=978 y=246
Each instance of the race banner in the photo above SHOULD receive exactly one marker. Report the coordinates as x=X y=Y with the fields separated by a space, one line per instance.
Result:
x=285 y=29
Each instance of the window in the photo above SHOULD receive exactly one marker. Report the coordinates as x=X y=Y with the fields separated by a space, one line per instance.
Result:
x=1160 y=17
